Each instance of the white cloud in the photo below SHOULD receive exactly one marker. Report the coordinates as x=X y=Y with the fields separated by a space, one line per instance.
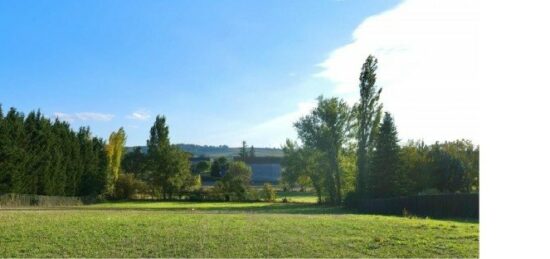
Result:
x=141 y=115
x=84 y=116
x=427 y=52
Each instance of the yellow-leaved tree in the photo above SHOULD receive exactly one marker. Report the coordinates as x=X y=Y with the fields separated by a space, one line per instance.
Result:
x=115 y=152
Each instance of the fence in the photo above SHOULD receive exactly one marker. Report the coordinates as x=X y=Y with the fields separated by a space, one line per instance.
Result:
x=10 y=200
x=437 y=206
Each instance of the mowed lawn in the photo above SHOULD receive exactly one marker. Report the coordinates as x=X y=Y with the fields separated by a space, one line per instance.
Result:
x=186 y=229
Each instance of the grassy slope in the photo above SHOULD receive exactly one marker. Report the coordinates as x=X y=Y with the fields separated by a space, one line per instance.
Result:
x=177 y=229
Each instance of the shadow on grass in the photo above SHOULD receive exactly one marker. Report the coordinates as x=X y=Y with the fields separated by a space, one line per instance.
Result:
x=272 y=208
x=204 y=207
x=223 y=208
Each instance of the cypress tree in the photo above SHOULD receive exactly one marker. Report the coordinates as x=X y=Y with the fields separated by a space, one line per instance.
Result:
x=5 y=183
x=87 y=162
x=15 y=162
x=38 y=156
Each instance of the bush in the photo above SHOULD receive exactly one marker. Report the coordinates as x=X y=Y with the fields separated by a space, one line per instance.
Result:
x=127 y=186
x=269 y=193
x=235 y=184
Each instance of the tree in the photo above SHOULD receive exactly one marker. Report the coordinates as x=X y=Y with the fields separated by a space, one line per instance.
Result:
x=291 y=163
x=169 y=166
x=236 y=182
x=202 y=166
x=5 y=176
x=45 y=157
x=94 y=162
x=386 y=178
x=135 y=162
x=37 y=163
x=368 y=113
x=448 y=168
x=348 y=165
x=219 y=167
x=327 y=130
x=158 y=146
x=314 y=166
x=243 y=153
x=415 y=165
x=178 y=177
x=468 y=155
x=115 y=153
x=252 y=153
x=16 y=162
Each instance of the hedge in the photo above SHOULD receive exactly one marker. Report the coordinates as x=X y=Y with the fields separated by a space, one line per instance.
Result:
x=12 y=200
x=436 y=206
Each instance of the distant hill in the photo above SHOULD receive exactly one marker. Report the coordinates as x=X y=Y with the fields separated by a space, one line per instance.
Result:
x=222 y=150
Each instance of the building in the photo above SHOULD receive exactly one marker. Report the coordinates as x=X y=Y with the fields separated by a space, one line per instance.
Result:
x=264 y=169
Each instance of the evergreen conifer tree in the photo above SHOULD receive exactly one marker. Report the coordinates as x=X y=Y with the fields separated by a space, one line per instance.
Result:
x=386 y=178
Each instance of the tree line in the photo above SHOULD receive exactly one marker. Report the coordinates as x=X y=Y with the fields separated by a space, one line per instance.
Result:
x=45 y=157
x=41 y=156
x=352 y=152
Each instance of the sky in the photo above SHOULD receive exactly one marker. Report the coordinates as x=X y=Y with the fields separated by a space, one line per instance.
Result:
x=225 y=71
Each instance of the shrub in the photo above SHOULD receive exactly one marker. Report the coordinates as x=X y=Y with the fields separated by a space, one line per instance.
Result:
x=269 y=193
x=127 y=186
x=235 y=184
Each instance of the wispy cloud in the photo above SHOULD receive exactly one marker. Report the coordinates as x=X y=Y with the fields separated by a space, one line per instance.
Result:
x=271 y=132
x=141 y=115
x=427 y=51
x=84 y=116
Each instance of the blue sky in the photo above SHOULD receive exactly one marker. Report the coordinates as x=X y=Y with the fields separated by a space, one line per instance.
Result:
x=221 y=71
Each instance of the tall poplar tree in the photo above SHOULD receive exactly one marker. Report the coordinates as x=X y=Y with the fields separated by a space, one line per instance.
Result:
x=115 y=153
x=368 y=113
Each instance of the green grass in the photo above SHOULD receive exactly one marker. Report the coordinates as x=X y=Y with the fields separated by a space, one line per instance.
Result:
x=185 y=229
x=298 y=197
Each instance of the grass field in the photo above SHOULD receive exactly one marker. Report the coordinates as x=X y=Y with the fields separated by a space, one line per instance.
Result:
x=297 y=197
x=186 y=229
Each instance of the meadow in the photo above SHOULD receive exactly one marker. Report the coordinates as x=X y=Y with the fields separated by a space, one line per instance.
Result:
x=218 y=229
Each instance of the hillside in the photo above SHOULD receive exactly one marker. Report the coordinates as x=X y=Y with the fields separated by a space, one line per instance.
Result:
x=222 y=150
